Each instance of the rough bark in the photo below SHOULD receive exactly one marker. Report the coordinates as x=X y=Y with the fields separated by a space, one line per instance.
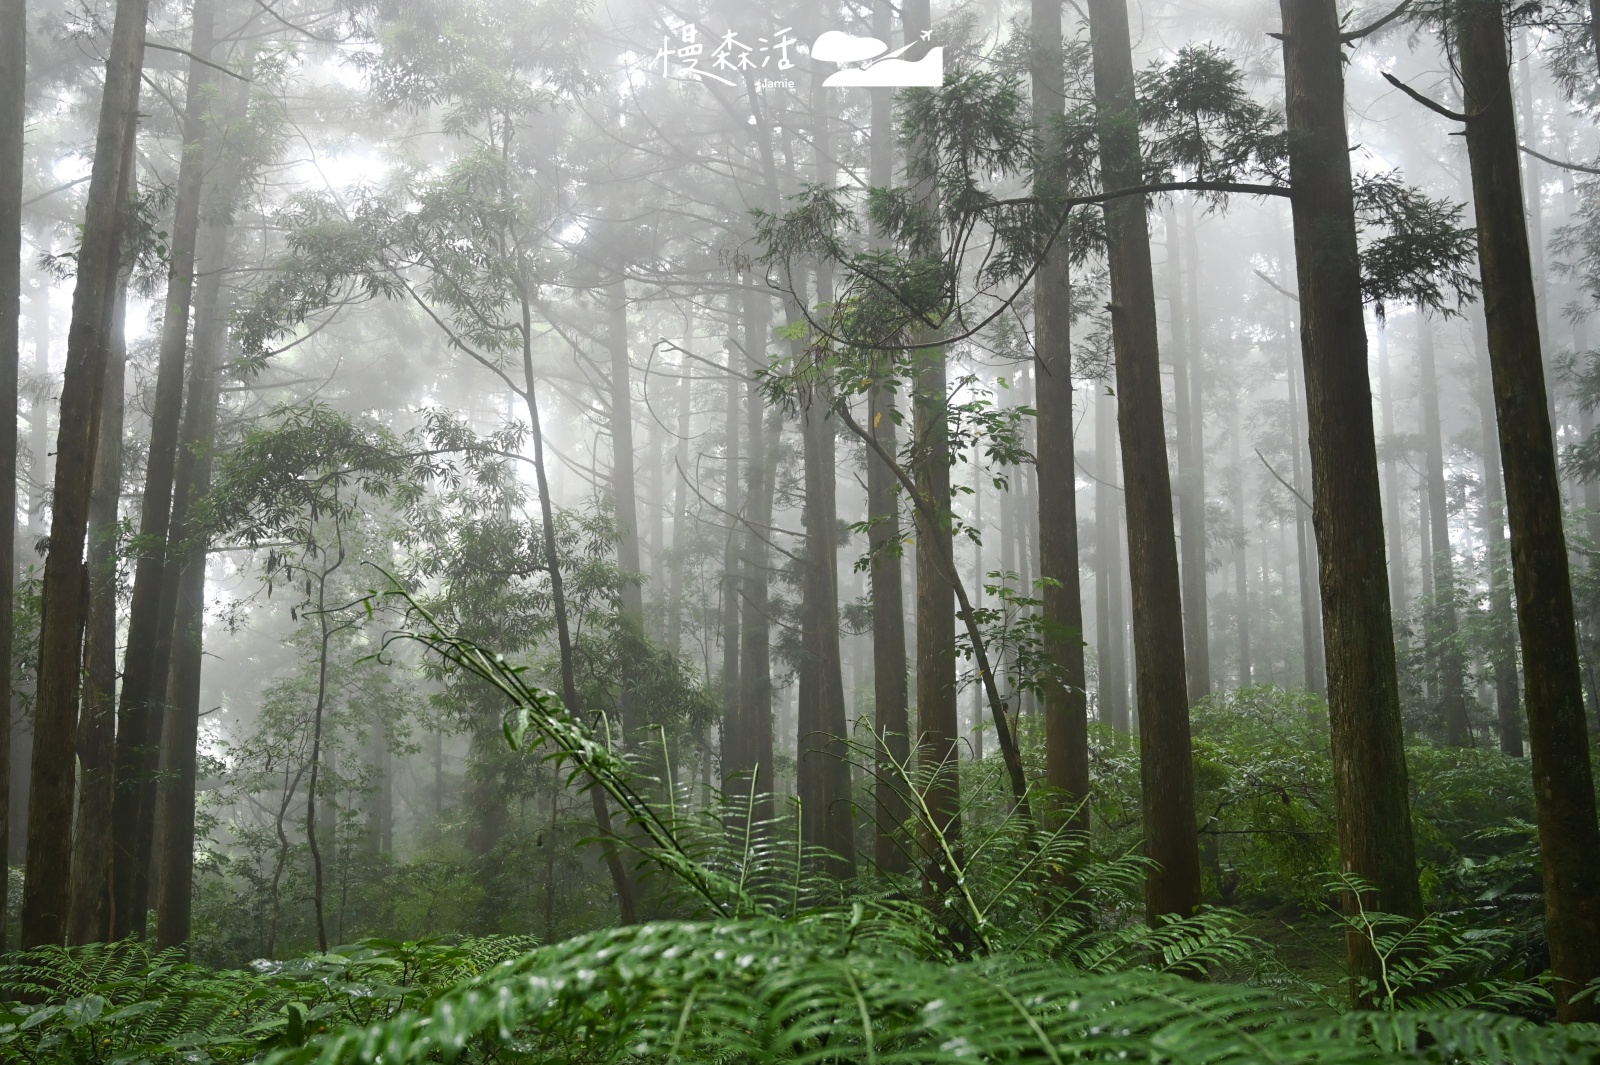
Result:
x=145 y=658
x=1066 y=699
x=822 y=766
x=13 y=114
x=51 y=784
x=88 y=919
x=1569 y=836
x=1166 y=765
x=1447 y=650
x=1371 y=801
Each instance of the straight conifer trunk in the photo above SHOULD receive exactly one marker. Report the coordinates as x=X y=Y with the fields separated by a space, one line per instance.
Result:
x=755 y=665
x=1166 y=766
x=1569 y=836
x=187 y=558
x=1371 y=800
x=1066 y=699
x=52 y=785
x=13 y=116
x=88 y=918
x=938 y=713
x=1451 y=662
x=1503 y=626
x=890 y=688
x=145 y=659
x=1110 y=648
x=735 y=756
x=1191 y=462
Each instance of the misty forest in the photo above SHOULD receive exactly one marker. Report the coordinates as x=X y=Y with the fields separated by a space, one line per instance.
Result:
x=804 y=531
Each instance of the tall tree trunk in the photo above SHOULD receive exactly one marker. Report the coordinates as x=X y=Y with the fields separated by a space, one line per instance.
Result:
x=1569 y=836
x=1166 y=766
x=1066 y=699
x=52 y=783
x=735 y=756
x=824 y=750
x=680 y=508
x=1305 y=547
x=621 y=881
x=755 y=650
x=1502 y=624
x=1110 y=649
x=1394 y=511
x=890 y=688
x=145 y=659
x=1241 y=566
x=1371 y=801
x=624 y=492
x=1191 y=462
x=13 y=116
x=1451 y=661
x=88 y=919
x=826 y=812
x=187 y=564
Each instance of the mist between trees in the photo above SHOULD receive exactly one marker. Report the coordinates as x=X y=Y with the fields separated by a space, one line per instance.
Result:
x=1096 y=504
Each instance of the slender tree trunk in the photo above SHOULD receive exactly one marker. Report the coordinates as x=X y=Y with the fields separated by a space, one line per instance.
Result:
x=890 y=688
x=52 y=783
x=1371 y=800
x=1066 y=699
x=88 y=919
x=1569 y=836
x=1166 y=767
x=1110 y=647
x=755 y=665
x=621 y=881
x=13 y=116
x=680 y=511
x=185 y=564
x=624 y=494
x=1451 y=660
x=1241 y=565
x=144 y=667
x=824 y=748
x=1191 y=460
x=826 y=811
x=1305 y=547
x=1502 y=623
x=1394 y=512
x=735 y=734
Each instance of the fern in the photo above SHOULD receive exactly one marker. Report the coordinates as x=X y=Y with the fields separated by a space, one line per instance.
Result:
x=831 y=988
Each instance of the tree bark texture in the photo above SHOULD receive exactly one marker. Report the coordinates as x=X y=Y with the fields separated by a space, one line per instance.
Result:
x=1066 y=699
x=1569 y=836
x=1371 y=801
x=52 y=785
x=1166 y=765
x=88 y=919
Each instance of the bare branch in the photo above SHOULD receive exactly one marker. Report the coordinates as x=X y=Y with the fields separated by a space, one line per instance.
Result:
x=1356 y=35
x=1562 y=163
x=148 y=43
x=1431 y=105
